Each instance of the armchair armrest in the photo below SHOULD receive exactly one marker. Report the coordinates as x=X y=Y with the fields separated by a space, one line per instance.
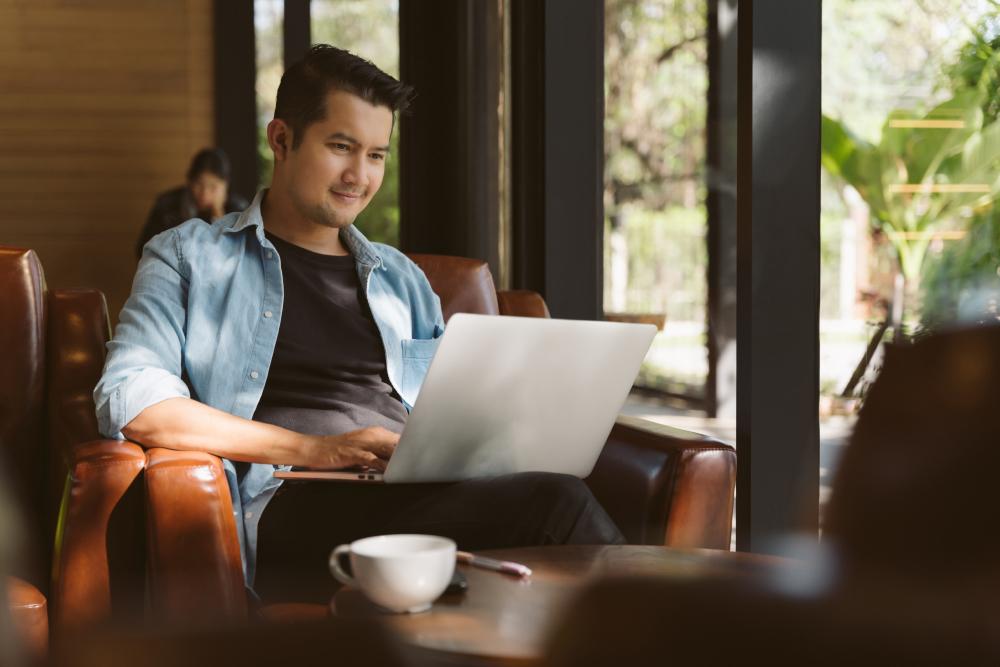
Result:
x=100 y=472
x=663 y=485
x=195 y=566
x=29 y=616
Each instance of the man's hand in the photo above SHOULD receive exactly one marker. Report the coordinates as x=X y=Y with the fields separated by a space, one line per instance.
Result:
x=186 y=424
x=369 y=447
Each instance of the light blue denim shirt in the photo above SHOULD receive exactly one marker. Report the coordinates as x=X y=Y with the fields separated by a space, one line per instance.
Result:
x=202 y=321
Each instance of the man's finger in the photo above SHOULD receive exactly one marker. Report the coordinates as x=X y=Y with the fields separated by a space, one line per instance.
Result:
x=381 y=441
x=373 y=462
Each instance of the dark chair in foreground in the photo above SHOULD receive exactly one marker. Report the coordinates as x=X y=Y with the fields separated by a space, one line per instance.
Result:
x=732 y=621
x=915 y=491
x=358 y=643
x=911 y=551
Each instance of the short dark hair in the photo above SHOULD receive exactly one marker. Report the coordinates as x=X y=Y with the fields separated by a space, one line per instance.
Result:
x=304 y=85
x=211 y=160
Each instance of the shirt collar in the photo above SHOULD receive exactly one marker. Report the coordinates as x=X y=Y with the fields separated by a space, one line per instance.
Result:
x=363 y=250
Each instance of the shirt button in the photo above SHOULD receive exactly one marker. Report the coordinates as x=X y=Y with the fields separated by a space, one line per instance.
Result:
x=268 y=313
x=268 y=254
x=248 y=515
x=254 y=375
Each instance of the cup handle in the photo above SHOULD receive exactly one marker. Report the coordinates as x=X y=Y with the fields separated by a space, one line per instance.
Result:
x=338 y=572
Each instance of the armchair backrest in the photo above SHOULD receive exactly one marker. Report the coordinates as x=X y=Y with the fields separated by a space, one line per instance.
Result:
x=23 y=311
x=78 y=332
x=52 y=346
x=464 y=285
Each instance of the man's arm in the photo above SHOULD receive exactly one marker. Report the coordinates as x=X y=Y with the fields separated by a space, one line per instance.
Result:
x=183 y=423
x=141 y=395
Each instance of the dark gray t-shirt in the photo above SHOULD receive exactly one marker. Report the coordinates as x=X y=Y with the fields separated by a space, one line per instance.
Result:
x=327 y=375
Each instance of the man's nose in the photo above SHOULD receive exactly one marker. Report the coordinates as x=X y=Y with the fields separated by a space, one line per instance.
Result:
x=356 y=172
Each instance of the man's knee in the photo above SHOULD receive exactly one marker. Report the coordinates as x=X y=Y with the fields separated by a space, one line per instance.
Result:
x=572 y=513
x=557 y=489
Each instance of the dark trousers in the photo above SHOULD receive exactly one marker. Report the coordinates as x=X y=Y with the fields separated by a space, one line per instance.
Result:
x=306 y=520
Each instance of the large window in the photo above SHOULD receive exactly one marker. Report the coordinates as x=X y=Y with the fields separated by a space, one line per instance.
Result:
x=656 y=81
x=268 y=16
x=910 y=233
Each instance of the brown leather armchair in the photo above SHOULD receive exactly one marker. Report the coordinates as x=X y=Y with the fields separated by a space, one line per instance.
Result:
x=661 y=485
x=64 y=480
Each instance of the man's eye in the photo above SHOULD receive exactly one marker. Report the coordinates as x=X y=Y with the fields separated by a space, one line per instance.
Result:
x=377 y=156
x=340 y=147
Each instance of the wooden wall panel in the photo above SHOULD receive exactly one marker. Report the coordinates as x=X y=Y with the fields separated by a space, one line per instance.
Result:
x=102 y=105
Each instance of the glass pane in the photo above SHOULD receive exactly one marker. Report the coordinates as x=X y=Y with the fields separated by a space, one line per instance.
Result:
x=268 y=17
x=370 y=29
x=656 y=82
x=910 y=236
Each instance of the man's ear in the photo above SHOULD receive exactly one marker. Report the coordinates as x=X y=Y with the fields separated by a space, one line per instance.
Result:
x=279 y=138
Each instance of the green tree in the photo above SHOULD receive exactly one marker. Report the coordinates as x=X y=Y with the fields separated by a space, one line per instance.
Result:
x=925 y=176
x=656 y=83
x=963 y=284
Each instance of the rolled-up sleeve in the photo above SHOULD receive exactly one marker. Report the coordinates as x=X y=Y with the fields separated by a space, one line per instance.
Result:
x=145 y=356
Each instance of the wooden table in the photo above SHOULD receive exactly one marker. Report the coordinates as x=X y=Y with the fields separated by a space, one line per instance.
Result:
x=505 y=620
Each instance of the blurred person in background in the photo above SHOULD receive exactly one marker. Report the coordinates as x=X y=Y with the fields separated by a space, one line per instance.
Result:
x=206 y=195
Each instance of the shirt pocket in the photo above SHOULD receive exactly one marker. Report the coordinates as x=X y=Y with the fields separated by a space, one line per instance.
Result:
x=417 y=355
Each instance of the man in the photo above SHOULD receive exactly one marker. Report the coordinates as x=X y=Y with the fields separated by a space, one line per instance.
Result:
x=206 y=195
x=281 y=336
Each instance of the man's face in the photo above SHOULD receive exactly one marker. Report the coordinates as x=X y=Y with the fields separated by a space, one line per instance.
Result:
x=209 y=191
x=339 y=165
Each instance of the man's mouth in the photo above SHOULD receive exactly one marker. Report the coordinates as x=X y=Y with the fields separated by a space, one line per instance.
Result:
x=347 y=197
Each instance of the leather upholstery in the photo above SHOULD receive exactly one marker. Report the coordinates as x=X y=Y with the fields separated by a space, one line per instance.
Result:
x=663 y=485
x=23 y=313
x=52 y=347
x=522 y=303
x=29 y=615
x=464 y=285
x=78 y=330
x=101 y=473
x=195 y=562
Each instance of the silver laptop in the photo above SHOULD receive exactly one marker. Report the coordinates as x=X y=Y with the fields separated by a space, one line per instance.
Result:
x=513 y=394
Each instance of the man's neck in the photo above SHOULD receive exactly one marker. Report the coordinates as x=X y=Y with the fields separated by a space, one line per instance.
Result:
x=284 y=221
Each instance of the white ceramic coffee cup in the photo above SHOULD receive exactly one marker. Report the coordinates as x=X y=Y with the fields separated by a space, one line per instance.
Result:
x=403 y=573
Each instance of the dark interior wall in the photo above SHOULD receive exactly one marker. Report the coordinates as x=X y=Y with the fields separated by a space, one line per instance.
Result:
x=720 y=385
x=235 y=67
x=557 y=91
x=778 y=272
x=449 y=161
x=296 y=30
x=527 y=132
x=102 y=105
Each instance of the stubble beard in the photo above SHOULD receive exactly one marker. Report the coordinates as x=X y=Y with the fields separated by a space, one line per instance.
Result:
x=325 y=215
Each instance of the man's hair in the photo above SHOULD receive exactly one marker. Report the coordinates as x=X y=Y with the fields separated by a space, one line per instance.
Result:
x=304 y=86
x=211 y=160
